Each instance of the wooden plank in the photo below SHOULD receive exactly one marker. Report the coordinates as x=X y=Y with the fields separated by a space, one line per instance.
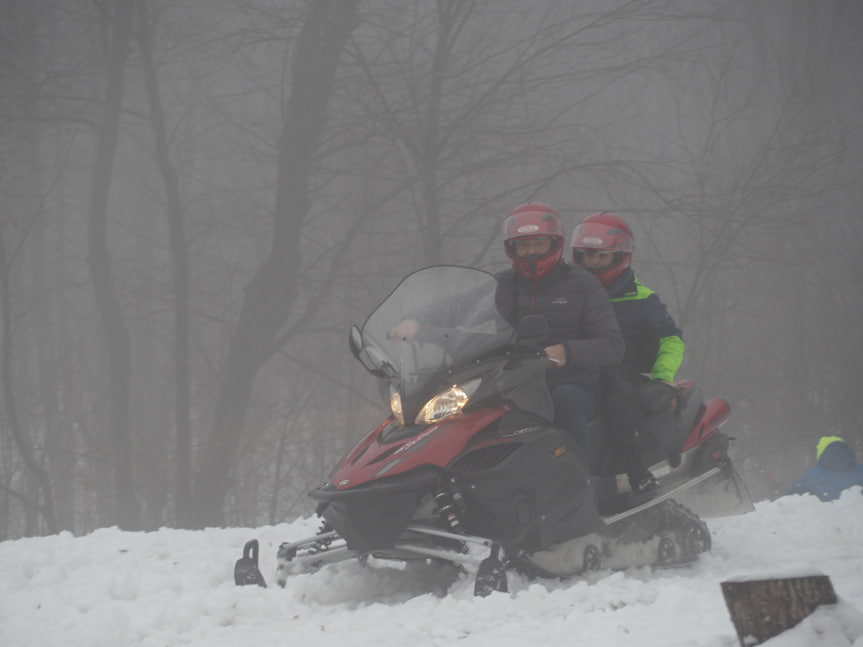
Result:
x=762 y=609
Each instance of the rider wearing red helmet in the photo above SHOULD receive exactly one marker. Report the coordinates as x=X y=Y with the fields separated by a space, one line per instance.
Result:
x=533 y=239
x=582 y=327
x=583 y=334
x=603 y=244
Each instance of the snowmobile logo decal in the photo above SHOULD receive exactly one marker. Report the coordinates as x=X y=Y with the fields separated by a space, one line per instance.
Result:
x=413 y=442
x=518 y=432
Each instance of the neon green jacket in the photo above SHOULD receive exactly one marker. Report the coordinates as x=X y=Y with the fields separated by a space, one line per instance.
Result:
x=654 y=343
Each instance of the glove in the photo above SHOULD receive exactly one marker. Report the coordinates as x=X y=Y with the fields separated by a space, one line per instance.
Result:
x=656 y=396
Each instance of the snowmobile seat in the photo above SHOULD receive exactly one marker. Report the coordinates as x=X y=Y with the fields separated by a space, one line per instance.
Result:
x=664 y=433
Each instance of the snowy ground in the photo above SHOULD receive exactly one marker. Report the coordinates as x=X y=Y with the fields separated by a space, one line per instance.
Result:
x=176 y=588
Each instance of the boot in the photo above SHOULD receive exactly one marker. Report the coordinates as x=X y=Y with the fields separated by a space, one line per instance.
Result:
x=641 y=480
x=643 y=484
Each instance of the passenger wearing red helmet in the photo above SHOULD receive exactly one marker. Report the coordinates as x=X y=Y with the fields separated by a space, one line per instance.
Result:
x=603 y=244
x=581 y=322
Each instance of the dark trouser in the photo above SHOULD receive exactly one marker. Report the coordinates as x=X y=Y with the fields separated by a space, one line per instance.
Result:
x=621 y=411
x=574 y=406
x=627 y=398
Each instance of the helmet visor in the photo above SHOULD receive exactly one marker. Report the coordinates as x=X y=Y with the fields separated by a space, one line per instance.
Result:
x=595 y=235
x=530 y=247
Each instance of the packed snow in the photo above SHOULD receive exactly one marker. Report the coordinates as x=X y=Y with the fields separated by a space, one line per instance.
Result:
x=175 y=587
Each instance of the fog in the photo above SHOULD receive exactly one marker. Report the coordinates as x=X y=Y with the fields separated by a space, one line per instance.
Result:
x=200 y=197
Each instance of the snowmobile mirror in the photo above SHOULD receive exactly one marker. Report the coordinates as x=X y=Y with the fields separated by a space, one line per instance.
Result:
x=355 y=341
x=532 y=326
x=368 y=356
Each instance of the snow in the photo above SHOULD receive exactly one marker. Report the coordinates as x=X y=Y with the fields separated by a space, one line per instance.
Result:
x=175 y=588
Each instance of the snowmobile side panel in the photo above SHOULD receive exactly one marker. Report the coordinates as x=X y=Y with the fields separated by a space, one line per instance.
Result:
x=533 y=497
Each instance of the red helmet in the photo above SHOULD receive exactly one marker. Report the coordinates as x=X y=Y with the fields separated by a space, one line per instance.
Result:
x=607 y=232
x=533 y=220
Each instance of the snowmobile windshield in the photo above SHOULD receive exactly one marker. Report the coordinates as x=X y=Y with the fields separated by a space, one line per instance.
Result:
x=458 y=322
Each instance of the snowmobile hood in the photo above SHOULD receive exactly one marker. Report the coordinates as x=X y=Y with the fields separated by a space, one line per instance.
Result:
x=837 y=457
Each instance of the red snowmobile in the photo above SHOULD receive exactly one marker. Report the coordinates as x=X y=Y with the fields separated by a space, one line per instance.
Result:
x=467 y=467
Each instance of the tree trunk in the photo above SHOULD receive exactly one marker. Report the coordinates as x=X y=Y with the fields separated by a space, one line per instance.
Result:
x=761 y=609
x=180 y=269
x=43 y=502
x=117 y=342
x=22 y=228
x=270 y=294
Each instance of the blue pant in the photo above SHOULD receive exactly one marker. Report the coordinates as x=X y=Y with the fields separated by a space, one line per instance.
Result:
x=574 y=406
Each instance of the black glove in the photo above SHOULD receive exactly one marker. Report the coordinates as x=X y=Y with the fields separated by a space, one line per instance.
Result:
x=656 y=396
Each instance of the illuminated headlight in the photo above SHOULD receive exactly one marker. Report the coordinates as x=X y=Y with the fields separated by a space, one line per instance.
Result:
x=396 y=407
x=447 y=403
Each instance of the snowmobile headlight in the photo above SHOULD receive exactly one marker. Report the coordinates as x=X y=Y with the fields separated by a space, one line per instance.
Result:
x=447 y=403
x=396 y=407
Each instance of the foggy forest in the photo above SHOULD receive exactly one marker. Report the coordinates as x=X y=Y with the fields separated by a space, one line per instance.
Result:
x=199 y=197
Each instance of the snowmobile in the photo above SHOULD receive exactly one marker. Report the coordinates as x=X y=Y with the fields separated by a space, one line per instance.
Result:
x=468 y=469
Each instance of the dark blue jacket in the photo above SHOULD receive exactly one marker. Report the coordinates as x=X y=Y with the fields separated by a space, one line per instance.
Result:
x=836 y=470
x=578 y=313
x=654 y=343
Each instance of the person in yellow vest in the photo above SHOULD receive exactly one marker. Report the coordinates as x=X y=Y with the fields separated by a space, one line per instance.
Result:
x=836 y=470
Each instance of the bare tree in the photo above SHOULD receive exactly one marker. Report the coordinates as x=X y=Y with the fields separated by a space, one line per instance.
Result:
x=145 y=33
x=22 y=229
x=748 y=159
x=118 y=17
x=478 y=119
x=270 y=295
x=42 y=502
